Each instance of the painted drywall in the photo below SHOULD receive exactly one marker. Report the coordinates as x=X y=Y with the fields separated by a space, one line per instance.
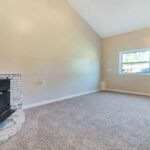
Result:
x=113 y=17
x=111 y=47
x=51 y=45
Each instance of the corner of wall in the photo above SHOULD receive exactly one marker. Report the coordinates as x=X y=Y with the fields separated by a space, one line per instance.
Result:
x=103 y=85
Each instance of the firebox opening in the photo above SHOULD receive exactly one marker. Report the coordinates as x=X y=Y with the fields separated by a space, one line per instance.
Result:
x=5 y=108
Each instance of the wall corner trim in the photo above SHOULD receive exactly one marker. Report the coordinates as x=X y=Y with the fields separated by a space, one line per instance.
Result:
x=58 y=99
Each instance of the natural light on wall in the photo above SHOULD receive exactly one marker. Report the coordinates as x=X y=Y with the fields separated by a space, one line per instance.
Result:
x=135 y=61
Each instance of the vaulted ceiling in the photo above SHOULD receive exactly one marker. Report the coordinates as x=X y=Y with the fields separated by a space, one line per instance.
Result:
x=113 y=17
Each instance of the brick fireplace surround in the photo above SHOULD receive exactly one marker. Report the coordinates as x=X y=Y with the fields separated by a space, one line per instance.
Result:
x=15 y=90
x=12 y=124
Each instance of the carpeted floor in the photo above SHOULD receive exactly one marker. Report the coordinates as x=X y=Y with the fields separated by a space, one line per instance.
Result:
x=100 y=121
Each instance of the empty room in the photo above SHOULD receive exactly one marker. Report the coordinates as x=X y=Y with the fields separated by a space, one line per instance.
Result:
x=74 y=75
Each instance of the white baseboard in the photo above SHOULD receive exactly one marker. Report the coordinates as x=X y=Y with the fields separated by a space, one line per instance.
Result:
x=58 y=99
x=127 y=92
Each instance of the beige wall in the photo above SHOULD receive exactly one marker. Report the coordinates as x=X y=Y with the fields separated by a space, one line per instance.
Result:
x=48 y=41
x=110 y=61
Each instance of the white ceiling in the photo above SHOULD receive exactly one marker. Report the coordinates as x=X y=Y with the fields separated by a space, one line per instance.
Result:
x=113 y=17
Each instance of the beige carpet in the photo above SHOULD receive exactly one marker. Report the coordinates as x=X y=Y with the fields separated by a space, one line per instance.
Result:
x=100 y=121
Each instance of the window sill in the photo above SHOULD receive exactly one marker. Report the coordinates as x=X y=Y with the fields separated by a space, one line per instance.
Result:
x=141 y=74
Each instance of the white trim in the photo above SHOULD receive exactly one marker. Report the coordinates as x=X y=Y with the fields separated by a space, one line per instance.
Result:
x=58 y=99
x=127 y=92
x=135 y=50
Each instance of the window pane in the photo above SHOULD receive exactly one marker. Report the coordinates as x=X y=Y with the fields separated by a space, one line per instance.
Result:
x=135 y=62
x=135 y=68
x=136 y=56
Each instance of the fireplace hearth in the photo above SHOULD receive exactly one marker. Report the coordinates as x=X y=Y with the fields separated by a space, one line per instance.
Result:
x=5 y=108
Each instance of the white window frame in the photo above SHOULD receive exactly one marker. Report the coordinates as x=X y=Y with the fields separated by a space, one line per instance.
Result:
x=120 y=62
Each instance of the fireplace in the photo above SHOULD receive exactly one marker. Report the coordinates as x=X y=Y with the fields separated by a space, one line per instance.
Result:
x=5 y=107
x=10 y=101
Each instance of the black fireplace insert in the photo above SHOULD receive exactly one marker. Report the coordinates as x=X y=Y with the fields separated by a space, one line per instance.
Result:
x=5 y=109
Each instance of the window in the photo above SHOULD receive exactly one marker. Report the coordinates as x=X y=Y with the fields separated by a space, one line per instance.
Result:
x=135 y=61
